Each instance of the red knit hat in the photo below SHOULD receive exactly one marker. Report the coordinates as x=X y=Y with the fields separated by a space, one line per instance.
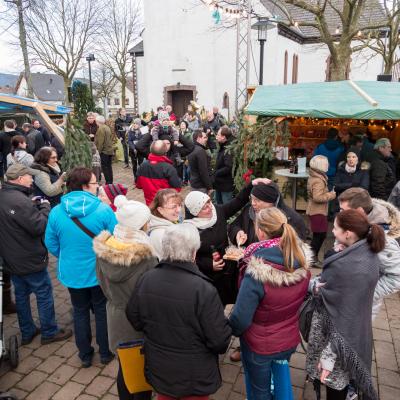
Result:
x=113 y=190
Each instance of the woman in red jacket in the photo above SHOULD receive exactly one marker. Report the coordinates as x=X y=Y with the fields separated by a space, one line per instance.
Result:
x=273 y=282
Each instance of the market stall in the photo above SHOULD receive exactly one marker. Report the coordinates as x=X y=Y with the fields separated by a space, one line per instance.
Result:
x=351 y=107
x=310 y=109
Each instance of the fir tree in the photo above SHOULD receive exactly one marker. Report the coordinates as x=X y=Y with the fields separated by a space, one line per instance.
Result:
x=83 y=101
x=78 y=151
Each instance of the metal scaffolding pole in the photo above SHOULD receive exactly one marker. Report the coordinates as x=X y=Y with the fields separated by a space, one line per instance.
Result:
x=243 y=43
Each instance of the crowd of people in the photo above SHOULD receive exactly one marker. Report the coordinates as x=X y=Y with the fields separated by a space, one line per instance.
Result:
x=162 y=271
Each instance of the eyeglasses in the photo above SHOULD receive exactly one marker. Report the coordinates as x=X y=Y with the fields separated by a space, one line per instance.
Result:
x=93 y=183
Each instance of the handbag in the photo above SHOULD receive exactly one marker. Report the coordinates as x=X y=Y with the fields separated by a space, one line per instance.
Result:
x=305 y=316
x=83 y=227
x=131 y=358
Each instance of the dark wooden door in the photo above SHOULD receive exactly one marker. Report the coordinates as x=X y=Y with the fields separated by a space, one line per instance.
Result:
x=180 y=101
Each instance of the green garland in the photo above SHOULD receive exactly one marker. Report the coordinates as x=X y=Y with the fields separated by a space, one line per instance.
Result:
x=253 y=148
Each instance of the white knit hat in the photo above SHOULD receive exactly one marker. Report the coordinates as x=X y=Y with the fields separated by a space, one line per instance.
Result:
x=195 y=201
x=130 y=213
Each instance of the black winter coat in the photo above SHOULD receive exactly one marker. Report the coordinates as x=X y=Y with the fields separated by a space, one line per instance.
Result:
x=244 y=223
x=23 y=224
x=345 y=180
x=143 y=146
x=184 y=330
x=382 y=178
x=223 y=179
x=200 y=168
x=5 y=145
x=216 y=239
x=120 y=126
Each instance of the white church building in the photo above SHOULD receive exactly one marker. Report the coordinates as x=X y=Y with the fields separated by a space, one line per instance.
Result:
x=188 y=56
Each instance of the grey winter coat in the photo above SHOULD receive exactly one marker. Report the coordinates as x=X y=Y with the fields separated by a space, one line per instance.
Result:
x=387 y=216
x=118 y=267
x=345 y=327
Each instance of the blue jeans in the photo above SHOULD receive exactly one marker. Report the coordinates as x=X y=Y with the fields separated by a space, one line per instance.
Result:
x=223 y=197
x=257 y=371
x=83 y=300
x=38 y=283
x=186 y=173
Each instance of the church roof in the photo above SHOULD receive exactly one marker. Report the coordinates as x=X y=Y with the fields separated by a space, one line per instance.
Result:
x=371 y=15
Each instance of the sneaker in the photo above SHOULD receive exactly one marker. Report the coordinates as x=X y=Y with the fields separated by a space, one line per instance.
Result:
x=107 y=360
x=62 y=334
x=24 y=342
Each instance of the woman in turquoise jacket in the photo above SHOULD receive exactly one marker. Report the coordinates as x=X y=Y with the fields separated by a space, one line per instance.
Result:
x=69 y=236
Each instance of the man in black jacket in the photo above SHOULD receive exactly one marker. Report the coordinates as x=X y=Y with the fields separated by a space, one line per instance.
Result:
x=185 y=329
x=23 y=224
x=223 y=180
x=5 y=144
x=34 y=138
x=200 y=164
x=46 y=137
x=122 y=124
x=382 y=171
x=241 y=231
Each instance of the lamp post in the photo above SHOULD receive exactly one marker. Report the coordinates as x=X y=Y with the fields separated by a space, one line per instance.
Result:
x=89 y=59
x=262 y=26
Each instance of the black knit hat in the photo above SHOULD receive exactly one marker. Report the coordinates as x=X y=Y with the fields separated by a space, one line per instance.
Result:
x=266 y=193
x=355 y=150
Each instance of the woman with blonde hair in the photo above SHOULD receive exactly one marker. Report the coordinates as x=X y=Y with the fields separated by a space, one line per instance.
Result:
x=318 y=201
x=273 y=281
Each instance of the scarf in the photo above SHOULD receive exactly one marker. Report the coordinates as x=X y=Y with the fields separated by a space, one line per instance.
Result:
x=349 y=169
x=56 y=168
x=346 y=304
x=129 y=236
x=204 y=223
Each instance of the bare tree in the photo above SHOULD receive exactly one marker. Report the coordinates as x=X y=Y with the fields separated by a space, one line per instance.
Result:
x=105 y=83
x=353 y=17
x=59 y=32
x=386 y=45
x=19 y=7
x=121 y=27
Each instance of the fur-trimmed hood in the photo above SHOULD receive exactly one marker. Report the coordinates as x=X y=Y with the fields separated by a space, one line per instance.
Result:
x=117 y=260
x=385 y=213
x=264 y=271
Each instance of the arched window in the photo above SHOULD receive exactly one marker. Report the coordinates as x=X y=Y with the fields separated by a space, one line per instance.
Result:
x=285 y=67
x=225 y=100
x=295 y=68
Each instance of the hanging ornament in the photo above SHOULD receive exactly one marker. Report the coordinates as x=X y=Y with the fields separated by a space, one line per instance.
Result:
x=217 y=16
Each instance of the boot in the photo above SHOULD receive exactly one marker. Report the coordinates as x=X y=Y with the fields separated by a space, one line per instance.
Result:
x=8 y=305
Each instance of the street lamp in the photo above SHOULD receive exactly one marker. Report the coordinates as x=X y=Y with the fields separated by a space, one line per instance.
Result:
x=89 y=59
x=262 y=26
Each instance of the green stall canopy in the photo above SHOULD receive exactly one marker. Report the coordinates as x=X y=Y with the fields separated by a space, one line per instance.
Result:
x=341 y=99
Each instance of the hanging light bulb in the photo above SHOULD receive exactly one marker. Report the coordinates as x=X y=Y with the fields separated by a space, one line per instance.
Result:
x=296 y=24
x=337 y=31
x=359 y=33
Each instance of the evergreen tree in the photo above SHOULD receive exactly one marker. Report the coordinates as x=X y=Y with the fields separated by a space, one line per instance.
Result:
x=83 y=101
x=78 y=151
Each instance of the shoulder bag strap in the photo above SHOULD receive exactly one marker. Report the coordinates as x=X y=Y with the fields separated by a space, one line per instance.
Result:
x=83 y=227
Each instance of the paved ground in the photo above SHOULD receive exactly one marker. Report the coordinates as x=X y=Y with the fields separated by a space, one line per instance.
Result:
x=53 y=371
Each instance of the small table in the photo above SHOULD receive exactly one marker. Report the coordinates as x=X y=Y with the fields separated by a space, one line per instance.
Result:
x=286 y=172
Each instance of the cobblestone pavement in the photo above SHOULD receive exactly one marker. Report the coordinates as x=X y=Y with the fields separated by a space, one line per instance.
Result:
x=53 y=371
